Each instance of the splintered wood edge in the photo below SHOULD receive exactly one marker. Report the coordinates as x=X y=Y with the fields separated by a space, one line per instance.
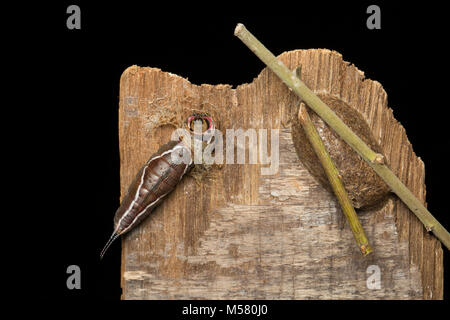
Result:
x=370 y=99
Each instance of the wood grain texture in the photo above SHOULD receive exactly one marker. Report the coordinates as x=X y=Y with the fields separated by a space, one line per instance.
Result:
x=237 y=234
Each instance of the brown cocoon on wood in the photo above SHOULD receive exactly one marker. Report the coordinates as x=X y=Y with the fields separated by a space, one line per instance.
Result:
x=364 y=187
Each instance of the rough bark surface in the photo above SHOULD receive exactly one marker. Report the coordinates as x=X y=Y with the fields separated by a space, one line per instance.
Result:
x=234 y=233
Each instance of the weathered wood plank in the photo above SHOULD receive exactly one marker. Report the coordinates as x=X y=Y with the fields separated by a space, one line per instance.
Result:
x=241 y=235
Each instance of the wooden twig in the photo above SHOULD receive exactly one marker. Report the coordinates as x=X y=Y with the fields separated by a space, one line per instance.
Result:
x=334 y=179
x=375 y=160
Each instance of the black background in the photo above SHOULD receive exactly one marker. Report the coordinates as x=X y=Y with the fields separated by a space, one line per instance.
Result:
x=72 y=90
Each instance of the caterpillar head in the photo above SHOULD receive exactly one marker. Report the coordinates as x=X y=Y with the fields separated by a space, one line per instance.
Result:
x=201 y=126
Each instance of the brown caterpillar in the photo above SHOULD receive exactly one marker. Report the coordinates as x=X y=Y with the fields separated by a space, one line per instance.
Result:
x=157 y=178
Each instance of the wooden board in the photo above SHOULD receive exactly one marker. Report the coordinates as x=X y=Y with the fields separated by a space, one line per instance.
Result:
x=237 y=234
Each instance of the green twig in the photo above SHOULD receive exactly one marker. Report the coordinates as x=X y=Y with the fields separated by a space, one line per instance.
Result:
x=334 y=179
x=375 y=160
